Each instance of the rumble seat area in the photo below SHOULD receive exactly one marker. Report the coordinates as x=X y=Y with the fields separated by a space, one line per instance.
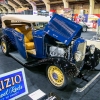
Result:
x=28 y=38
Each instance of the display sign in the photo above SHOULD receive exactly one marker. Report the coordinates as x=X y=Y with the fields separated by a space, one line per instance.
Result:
x=35 y=12
x=13 y=85
x=3 y=1
x=40 y=95
x=67 y=9
x=92 y=17
x=51 y=96
x=37 y=95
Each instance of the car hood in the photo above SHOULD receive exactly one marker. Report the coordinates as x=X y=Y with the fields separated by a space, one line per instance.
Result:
x=63 y=29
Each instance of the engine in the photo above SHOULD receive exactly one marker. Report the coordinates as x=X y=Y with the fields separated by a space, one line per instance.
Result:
x=57 y=51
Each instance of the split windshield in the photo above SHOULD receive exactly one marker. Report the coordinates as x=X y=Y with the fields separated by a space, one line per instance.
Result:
x=39 y=25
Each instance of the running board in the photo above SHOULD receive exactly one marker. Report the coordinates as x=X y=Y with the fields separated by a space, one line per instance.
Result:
x=19 y=58
x=83 y=88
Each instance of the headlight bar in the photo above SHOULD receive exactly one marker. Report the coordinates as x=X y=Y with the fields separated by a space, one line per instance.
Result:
x=92 y=48
x=78 y=56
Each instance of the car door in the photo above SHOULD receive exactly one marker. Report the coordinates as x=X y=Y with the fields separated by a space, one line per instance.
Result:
x=19 y=38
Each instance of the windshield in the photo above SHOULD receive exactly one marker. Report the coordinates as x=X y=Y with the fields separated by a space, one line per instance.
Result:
x=39 y=25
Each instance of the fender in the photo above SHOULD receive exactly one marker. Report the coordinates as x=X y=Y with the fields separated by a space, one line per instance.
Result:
x=5 y=37
x=10 y=45
x=68 y=67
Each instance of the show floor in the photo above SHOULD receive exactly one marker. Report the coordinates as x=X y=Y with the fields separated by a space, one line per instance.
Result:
x=36 y=79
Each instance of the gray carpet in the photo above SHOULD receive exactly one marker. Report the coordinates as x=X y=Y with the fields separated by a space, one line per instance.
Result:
x=36 y=79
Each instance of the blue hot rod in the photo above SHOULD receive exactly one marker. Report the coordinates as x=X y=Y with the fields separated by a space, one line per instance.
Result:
x=55 y=42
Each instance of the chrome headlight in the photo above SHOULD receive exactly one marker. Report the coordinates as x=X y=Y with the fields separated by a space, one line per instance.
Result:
x=92 y=49
x=78 y=56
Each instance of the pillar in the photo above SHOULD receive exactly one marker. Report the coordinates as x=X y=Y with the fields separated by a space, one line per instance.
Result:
x=32 y=3
x=3 y=10
x=47 y=4
x=7 y=7
x=66 y=4
x=18 y=2
x=91 y=9
x=13 y=6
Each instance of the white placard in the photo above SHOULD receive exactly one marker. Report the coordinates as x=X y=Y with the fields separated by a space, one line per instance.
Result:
x=37 y=94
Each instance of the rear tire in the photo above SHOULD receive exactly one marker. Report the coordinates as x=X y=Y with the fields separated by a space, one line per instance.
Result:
x=56 y=76
x=5 y=47
x=84 y=29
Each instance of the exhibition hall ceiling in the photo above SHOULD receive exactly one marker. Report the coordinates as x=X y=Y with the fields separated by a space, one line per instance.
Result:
x=41 y=4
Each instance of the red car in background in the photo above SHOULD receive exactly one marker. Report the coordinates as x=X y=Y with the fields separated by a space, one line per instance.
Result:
x=92 y=24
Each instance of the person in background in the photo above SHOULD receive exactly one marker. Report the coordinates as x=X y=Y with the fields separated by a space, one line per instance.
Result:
x=98 y=27
x=77 y=20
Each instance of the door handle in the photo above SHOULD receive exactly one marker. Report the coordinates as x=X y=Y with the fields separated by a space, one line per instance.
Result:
x=19 y=38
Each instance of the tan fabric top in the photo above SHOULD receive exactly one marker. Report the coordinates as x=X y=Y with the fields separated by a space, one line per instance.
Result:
x=25 y=18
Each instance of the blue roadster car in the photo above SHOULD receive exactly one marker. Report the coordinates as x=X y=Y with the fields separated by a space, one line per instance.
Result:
x=56 y=42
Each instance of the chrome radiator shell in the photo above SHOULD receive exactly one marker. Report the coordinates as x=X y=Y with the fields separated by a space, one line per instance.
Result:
x=82 y=49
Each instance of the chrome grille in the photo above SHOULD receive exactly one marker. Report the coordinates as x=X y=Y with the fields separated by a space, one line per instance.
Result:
x=82 y=48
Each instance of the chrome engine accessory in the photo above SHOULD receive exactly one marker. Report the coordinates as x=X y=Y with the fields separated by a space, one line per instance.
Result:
x=56 y=51
x=92 y=49
x=82 y=49
x=78 y=56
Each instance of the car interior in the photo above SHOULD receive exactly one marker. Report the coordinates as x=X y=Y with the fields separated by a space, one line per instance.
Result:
x=24 y=28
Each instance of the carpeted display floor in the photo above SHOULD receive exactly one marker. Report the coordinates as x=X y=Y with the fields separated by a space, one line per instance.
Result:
x=36 y=79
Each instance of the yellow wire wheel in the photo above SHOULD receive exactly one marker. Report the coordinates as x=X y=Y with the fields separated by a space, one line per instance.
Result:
x=56 y=76
x=4 y=47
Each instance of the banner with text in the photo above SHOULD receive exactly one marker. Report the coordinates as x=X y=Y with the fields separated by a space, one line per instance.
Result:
x=13 y=85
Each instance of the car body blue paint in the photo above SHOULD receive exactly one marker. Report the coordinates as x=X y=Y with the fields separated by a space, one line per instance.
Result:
x=39 y=43
x=59 y=28
x=9 y=33
x=63 y=29
x=19 y=38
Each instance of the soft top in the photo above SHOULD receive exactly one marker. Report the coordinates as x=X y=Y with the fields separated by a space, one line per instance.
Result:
x=26 y=18
x=63 y=29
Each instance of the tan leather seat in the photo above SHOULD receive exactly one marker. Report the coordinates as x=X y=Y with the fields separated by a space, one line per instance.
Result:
x=28 y=38
x=29 y=45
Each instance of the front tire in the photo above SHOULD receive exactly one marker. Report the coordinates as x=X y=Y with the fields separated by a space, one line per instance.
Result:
x=4 y=47
x=56 y=76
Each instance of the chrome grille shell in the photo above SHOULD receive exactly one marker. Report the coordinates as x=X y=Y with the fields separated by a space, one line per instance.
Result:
x=82 y=49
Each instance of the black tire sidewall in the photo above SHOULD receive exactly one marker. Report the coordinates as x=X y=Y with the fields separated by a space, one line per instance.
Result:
x=85 y=28
x=65 y=78
x=7 y=47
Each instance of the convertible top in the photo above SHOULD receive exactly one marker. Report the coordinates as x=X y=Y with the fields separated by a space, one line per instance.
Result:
x=8 y=19
x=26 y=18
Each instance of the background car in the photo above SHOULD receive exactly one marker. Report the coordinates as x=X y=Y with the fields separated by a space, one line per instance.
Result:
x=83 y=24
x=92 y=24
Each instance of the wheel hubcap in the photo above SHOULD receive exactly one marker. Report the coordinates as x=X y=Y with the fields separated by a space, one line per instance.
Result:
x=55 y=76
x=3 y=46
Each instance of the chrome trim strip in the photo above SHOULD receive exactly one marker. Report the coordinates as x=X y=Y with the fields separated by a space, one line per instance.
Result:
x=37 y=36
x=82 y=49
x=83 y=88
